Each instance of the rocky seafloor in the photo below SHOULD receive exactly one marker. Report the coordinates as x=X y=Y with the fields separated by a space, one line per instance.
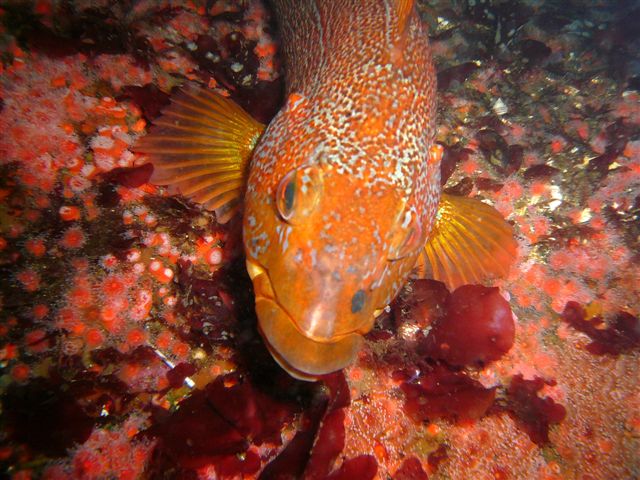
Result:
x=128 y=341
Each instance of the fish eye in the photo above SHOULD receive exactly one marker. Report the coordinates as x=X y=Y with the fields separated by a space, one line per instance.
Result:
x=407 y=239
x=298 y=193
x=286 y=195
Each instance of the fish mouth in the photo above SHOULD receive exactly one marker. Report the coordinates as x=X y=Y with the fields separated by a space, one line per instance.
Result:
x=301 y=356
x=261 y=281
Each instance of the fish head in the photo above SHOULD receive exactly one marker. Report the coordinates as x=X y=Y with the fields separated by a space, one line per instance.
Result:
x=325 y=255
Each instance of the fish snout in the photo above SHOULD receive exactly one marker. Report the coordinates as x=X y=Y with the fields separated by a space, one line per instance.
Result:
x=300 y=355
x=301 y=336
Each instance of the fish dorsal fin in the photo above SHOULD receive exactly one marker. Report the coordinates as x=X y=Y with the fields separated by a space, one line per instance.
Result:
x=403 y=12
x=200 y=147
x=469 y=243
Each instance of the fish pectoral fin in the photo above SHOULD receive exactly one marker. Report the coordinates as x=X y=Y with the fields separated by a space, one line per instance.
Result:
x=469 y=243
x=201 y=146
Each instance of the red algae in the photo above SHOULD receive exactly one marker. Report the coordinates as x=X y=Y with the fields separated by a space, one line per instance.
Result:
x=177 y=374
x=476 y=327
x=45 y=418
x=216 y=424
x=420 y=304
x=329 y=444
x=411 y=469
x=362 y=466
x=441 y=393
x=535 y=414
x=436 y=457
x=622 y=335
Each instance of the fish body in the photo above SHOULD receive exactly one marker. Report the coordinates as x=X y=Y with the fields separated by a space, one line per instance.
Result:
x=355 y=133
x=341 y=191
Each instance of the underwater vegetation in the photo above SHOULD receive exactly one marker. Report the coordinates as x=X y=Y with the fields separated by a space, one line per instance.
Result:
x=128 y=341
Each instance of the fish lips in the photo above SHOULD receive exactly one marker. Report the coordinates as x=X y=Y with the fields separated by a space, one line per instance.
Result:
x=303 y=357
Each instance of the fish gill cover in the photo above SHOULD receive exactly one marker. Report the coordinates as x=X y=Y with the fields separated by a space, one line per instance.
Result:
x=128 y=342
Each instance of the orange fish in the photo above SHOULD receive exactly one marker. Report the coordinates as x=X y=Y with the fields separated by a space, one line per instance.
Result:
x=341 y=190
